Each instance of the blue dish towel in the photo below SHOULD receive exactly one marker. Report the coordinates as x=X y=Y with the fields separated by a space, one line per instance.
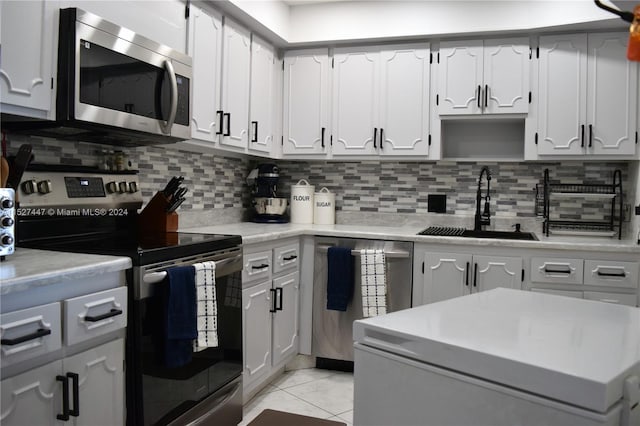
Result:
x=340 y=280
x=180 y=316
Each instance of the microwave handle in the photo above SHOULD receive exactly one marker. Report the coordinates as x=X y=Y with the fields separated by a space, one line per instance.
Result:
x=166 y=127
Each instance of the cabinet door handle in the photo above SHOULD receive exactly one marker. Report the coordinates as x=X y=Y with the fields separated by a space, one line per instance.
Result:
x=75 y=411
x=466 y=279
x=220 y=115
x=255 y=131
x=273 y=300
x=228 y=116
x=264 y=265
x=381 y=137
x=375 y=136
x=590 y=135
x=582 y=136
x=95 y=318
x=486 y=95
x=475 y=274
x=292 y=257
x=41 y=332
x=479 y=89
x=322 y=137
x=611 y=274
x=279 y=292
x=65 y=398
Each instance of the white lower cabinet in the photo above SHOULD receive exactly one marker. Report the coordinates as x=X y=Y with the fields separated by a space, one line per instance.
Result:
x=94 y=380
x=448 y=275
x=270 y=305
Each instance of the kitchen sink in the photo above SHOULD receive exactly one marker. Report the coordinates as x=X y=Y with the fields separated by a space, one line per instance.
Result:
x=468 y=233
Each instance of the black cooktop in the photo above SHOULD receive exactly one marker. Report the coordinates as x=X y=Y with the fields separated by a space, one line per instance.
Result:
x=144 y=249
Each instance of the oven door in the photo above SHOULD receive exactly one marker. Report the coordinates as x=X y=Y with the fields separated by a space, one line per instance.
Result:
x=121 y=83
x=211 y=381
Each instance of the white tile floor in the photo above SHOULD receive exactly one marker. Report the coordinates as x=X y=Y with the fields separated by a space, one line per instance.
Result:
x=311 y=392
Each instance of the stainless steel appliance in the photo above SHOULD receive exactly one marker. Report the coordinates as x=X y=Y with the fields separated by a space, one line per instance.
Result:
x=332 y=337
x=269 y=207
x=114 y=87
x=7 y=221
x=77 y=209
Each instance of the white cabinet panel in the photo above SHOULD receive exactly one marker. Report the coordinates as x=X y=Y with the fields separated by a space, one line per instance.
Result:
x=33 y=397
x=235 y=85
x=567 y=293
x=446 y=275
x=285 y=319
x=404 y=101
x=306 y=102
x=100 y=376
x=556 y=270
x=588 y=94
x=257 y=266
x=355 y=101
x=93 y=315
x=30 y=333
x=611 y=273
x=286 y=258
x=497 y=271
x=205 y=48
x=460 y=77
x=29 y=38
x=484 y=77
x=618 y=298
x=262 y=96
x=256 y=307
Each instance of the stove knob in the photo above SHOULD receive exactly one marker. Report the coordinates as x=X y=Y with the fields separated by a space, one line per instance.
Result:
x=6 y=240
x=133 y=187
x=112 y=188
x=6 y=203
x=122 y=187
x=29 y=187
x=6 y=222
x=44 y=186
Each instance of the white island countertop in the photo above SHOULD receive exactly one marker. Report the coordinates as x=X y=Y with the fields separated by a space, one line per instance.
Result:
x=253 y=233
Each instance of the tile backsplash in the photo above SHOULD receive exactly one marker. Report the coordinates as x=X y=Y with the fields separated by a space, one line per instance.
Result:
x=218 y=182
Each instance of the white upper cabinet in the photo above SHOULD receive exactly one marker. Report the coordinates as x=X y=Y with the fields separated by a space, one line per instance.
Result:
x=484 y=77
x=236 y=69
x=588 y=94
x=205 y=48
x=306 y=102
x=262 y=97
x=27 y=71
x=381 y=101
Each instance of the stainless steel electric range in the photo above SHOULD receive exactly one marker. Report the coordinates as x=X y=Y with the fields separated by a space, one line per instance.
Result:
x=79 y=209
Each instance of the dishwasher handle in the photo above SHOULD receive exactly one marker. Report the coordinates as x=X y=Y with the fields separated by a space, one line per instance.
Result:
x=356 y=252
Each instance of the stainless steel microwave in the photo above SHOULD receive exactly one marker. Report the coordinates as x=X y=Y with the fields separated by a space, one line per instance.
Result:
x=115 y=86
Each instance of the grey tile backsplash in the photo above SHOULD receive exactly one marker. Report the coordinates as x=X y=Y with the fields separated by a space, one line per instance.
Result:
x=218 y=182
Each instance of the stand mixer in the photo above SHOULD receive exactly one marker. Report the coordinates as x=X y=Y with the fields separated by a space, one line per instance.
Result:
x=269 y=208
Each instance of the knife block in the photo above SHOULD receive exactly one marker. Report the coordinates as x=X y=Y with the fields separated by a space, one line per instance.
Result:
x=154 y=217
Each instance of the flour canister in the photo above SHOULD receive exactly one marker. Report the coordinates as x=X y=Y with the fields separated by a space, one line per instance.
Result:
x=324 y=210
x=302 y=202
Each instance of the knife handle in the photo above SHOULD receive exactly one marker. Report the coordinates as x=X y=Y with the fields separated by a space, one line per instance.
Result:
x=19 y=166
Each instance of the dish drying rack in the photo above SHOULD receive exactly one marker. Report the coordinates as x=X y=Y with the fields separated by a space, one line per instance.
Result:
x=603 y=192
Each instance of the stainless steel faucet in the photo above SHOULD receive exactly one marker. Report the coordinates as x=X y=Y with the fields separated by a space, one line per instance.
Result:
x=483 y=218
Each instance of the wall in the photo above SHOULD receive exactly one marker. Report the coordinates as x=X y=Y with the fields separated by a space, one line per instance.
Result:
x=218 y=192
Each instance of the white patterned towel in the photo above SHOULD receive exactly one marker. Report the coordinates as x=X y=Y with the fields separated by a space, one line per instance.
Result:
x=374 y=282
x=233 y=295
x=207 y=306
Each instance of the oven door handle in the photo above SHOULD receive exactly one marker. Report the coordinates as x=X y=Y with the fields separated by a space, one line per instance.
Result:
x=166 y=127
x=156 y=277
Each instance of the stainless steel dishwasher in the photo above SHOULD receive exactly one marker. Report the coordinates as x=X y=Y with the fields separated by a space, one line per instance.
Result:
x=332 y=330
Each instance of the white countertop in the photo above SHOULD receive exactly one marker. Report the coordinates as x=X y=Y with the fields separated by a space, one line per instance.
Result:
x=28 y=269
x=571 y=350
x=260 y=232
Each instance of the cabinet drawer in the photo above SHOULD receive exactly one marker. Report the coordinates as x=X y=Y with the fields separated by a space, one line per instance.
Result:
x=556 y=270
x=567 y=293
x=619 y=298
x=611 y=273
x=257 y=266
x=30 y=333
x=286 y=258
x=95 y=314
